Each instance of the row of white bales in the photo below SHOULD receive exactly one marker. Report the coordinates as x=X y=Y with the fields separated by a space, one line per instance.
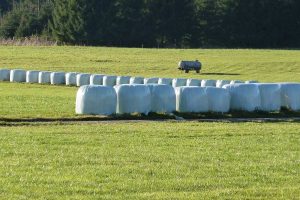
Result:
x=80 y=79
x=136 y=97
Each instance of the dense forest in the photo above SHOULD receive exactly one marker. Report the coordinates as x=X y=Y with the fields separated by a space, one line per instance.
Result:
x=156 y=23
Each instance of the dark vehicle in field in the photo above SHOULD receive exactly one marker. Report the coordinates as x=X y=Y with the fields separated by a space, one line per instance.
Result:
x=188 y=66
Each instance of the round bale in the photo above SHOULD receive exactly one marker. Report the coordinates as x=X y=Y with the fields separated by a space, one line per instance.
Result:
x=96 y=100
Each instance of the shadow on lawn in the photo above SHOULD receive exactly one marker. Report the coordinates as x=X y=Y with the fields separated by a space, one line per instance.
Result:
x=221 y=74
x=233 y=116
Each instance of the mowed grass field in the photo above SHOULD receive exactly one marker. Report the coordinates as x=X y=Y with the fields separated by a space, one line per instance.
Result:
x=34 y=101
x=150 y=160
x=143 y=160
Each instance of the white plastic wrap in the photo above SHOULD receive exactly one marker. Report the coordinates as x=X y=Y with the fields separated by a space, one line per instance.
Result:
x=208 y=83
x=32 y=76
x=96 y=100
x=58 y=78
x=151 y=81
x=179 y=82
x=44 y=77
x=245 y=97
x=221 y=83
x=270 y=97
x=82 y=79
x=236 y=81
x=163 y=98
x=96 y=79
x=133 y=99
x=71 y=79
x=4 y=74
x=191 y=99
x=251 y=82
x=218 y=99
x=165 y=81
x=121 y=80
x=136 y=80
x=109 y=80
x=194 y=82
x=17 y=75
x=290 y=96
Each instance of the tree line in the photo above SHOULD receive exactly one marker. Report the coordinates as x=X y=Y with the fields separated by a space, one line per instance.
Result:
x=156 y=23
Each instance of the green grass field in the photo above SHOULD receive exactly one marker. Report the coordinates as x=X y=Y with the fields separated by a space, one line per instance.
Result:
x=143 y=160
x=166 y=160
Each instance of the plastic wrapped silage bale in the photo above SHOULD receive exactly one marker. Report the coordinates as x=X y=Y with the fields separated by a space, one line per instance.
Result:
x=96 y=79
x=4 y=74
x=221 y=83
x=251 y=82
x=17 y=75
x=44 y=77
x=163 y=98
x=290 y=96
x=165 y=81
x=218 y=99
x=245 y=97
x=71 y=78
x=121 y=80
x=191 y=99
x=96 y=100
x=270 y=97
x=109 y=80
x=208 y=83
x=58 y=78
x=32 y=76
x=82 y=79
x=133 y=99
x=236 y=81
x=151 y=80
x=179 y=82
x=194 y=82
x=136 y=80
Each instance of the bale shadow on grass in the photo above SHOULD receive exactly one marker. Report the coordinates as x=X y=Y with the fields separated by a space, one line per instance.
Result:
x=220 y=74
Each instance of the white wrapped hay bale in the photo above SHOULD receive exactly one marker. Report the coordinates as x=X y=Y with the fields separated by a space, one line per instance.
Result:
x=151 y=81
x=17 y=75
x=133 y=99
x=179 y=82
x=71 y=78
x=163 y=98
x=82 y=79
x=96 y=100
x=4 y=74
x=221 y=83
x=58 y=78
x=290 y=96
x=251 y=82
x=44 y=77
x=165 y=81
x=245 y=97
x=194 y=82
x=270 y=97
x=121 y=80
x=136 y=80
x=208 y=83
x=191 y=99
x=218 y=99
x=96 y=79
x=236 y=81
x=32 y=76
x=109 y=81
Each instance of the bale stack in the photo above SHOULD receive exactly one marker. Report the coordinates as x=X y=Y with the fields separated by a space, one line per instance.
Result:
x=96 y=100
x=44 y=77
x=4 y=74
x=18 y=75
